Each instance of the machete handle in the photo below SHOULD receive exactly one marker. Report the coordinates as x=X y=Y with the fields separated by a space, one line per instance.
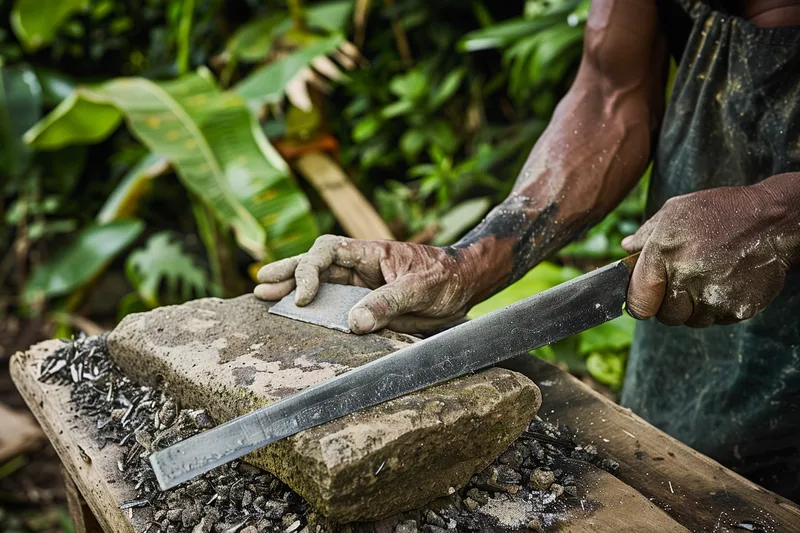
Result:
x=630 y=262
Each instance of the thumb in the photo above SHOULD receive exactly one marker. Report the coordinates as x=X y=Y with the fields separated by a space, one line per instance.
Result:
x=378 y=308
x=648 y=286
x=635 y=243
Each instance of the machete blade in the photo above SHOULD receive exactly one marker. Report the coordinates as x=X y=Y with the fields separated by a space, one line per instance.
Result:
x=547 y=317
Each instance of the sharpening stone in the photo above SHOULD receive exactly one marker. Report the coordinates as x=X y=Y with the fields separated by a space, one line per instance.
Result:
x=329 y=308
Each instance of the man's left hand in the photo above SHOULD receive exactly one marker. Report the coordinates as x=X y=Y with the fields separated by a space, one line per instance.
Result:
x=715 y=256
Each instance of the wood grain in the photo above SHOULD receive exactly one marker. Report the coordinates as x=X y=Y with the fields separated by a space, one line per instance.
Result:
x=93 y=471
x=693 y=489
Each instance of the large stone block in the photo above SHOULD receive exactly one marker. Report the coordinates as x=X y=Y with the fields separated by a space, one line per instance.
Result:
x=232 y=356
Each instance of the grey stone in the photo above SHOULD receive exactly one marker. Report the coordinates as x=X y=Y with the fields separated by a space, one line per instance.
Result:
x=409 y=526
x=231 y=356
x=541 y=479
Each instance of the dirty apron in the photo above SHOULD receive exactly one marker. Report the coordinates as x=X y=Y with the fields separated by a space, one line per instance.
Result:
x=731 y=392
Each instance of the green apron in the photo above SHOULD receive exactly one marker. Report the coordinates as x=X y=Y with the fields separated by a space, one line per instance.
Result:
x=731 y=392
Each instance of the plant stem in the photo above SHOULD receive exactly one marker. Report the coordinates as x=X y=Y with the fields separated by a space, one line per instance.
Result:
x=184 y=36
x=296 y=11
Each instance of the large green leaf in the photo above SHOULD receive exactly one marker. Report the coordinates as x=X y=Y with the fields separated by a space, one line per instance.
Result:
x=162 y=273
x=266 y=85
x=216 y=146
x=459 y=219
x=545 y=276
x=20 y=108
x=93 y=249
x=124 y=199
x=36 y=22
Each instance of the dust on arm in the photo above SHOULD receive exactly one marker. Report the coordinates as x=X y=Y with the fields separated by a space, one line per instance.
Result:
x=593 y=152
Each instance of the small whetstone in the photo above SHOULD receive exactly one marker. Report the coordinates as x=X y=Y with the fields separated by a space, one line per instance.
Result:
x=329 y=308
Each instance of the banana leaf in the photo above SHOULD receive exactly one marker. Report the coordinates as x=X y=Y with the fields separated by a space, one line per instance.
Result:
x=80 y=262
x=20 y=108
x=266 y=85
x=36 y=22
x=211 y=139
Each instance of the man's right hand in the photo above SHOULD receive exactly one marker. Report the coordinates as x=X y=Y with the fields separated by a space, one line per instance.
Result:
x=417 y=287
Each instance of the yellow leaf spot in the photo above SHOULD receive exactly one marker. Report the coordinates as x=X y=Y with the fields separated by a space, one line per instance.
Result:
x=266 y=196
x=153 y=121
x=190 y=144
x=173 y=135
x=268 y=220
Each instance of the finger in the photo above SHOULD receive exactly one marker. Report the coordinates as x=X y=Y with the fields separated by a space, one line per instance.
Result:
x=676 y=309
x=310 y=267
x=278 y=271
x=339 y=275
x=635 y=243
x=702 y=317
x=648 y=286
x=273 y=292
x=379 y=307
x=420 y=324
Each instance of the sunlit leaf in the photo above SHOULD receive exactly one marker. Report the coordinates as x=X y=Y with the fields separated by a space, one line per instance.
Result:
x=545 y=276
x=82 y=260
x=162 y=273
x=20 y=108
x=215 y=145
x=459 y=219
x=330 y=16
x=615 y=335
x=36 y=22
x=267 y=84
x=253 y=40
x=607 y=368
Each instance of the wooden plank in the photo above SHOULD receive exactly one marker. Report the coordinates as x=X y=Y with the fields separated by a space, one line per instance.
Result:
x=608 y=504
x=94 y=471
x=356 y=215
x=695 y=490
x=83 y=519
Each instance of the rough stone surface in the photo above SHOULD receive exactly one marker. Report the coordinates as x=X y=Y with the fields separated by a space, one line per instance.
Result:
x=232 y=356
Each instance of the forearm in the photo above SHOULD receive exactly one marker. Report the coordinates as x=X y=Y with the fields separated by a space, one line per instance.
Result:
x=594 y=150
x=591 y=155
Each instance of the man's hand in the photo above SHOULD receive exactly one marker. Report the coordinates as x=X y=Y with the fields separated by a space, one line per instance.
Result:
x=417 y=287
x=715 y=256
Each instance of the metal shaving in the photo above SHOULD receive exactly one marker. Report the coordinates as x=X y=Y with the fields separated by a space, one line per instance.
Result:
x=239 y=498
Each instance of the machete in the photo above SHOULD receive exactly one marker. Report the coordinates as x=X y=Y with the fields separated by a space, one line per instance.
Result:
x=544 y=318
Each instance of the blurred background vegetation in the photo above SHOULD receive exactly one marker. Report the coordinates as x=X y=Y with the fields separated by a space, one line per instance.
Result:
x=138 y=143
x=151 y=150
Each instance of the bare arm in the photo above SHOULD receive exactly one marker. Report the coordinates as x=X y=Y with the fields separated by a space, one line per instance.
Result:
x=593 y=152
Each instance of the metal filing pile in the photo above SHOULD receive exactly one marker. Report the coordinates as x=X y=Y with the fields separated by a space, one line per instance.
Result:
x=523 y=488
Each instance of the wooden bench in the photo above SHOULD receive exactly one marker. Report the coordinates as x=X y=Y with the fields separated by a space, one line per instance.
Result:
x=662 y=485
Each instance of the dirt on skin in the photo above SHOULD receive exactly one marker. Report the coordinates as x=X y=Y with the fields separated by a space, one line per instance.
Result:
x=522 y=490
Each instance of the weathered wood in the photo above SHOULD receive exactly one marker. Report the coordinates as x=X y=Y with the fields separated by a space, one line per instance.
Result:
x=356 y=215
x=83 y=519
x=695 y=490
x=93 y=471
x=657 y=472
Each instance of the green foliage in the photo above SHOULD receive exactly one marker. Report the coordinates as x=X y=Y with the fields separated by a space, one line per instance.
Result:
x=213 y=141
x=20 y=108
x=36 y=22
x=157 y=118
x=91 y=252
x=601 y=351
x=162 y=273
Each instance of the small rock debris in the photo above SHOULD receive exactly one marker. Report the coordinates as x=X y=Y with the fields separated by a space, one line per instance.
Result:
x=525 y=485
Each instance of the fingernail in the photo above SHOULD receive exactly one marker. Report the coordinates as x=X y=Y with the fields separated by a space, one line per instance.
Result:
x=362 y=320
x=627 y=241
